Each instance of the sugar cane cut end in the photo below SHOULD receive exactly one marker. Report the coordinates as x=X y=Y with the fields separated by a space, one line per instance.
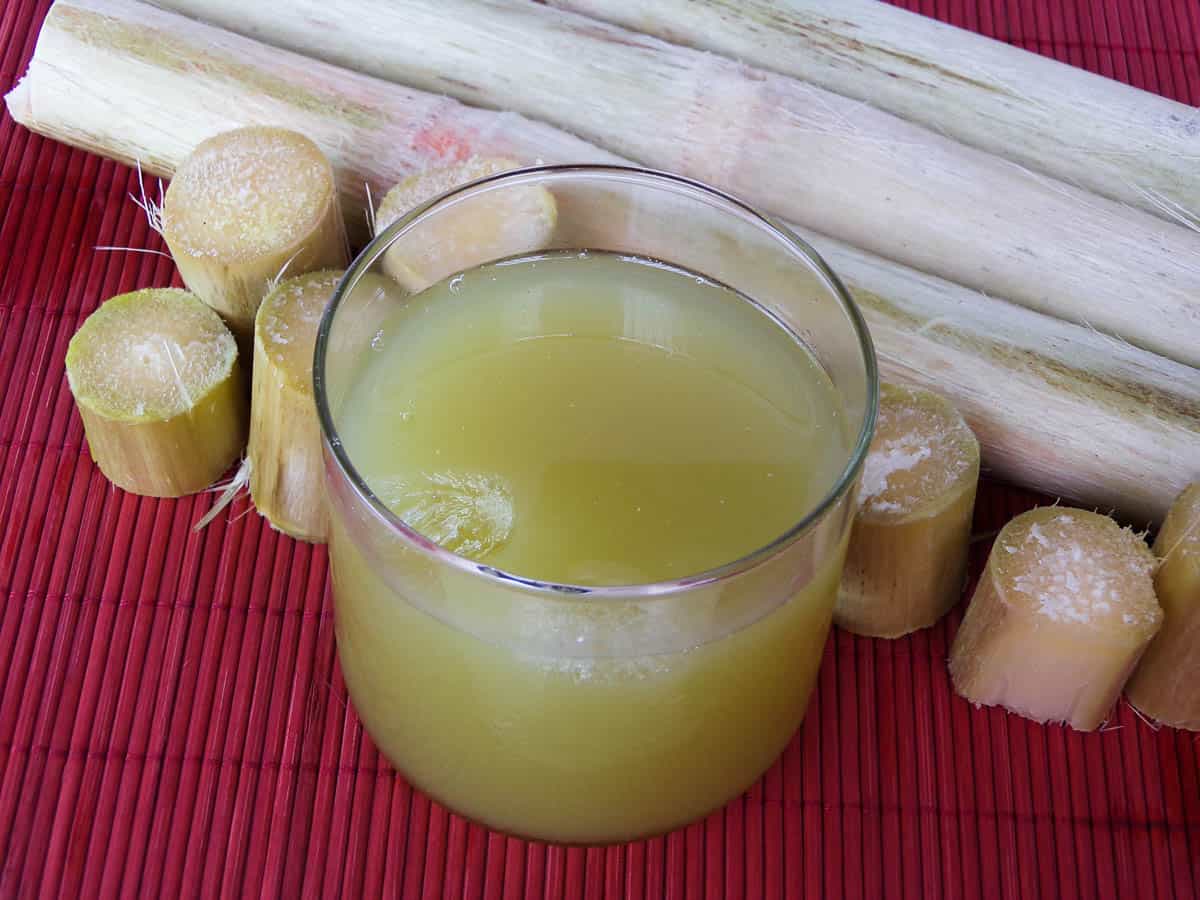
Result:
x=508 y=222
x=1075 y=566
x=1166 y=684
x=247 y=193
x=907 y=558
x=149 y=355
x=156 y=377
x=923 y=450
x=1063 y=611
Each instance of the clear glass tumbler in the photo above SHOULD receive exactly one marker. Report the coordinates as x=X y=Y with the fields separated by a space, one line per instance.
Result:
x=579 y=714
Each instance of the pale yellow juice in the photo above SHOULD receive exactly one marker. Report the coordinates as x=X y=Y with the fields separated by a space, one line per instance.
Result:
x=593 y=420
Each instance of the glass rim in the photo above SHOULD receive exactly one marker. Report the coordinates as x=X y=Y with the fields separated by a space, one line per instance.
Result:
x=367 y=258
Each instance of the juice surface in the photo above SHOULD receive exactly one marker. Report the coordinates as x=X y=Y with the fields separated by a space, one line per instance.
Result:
x=596 y=420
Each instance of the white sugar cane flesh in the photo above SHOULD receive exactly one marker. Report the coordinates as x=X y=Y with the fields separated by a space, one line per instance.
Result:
x=245 y=205
x=907 y=559
x=284 y=454
x=828 y=162
x=156 y=378
x=1055 y=406
x=508 y=223
x=1166 y=684
x=1102 y=135
x=1063 y=610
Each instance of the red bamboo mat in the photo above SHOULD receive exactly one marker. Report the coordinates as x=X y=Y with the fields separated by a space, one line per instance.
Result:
x=173 y=720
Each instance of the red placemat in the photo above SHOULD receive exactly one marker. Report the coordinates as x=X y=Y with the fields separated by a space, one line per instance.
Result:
x=173 y=720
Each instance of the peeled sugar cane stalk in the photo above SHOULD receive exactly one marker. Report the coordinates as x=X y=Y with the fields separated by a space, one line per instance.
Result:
x=284 y=454
x=1064 y=608
x=242 y=207
x=137 y=84
x=1065 y=409
x=907 y=559
x=156 y=377
x=510 y=222
x=1102 y=135
x=1166 y=685
x=1055 y=406
x=828 y=162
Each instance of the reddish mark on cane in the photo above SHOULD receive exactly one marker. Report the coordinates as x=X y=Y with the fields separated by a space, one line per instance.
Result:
x=444 y=143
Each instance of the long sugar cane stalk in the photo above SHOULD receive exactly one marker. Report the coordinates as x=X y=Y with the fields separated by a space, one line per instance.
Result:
x=141 y=85
x=1102 y=135
x=831 y=163
x=1067 y=409
x=1056 y=406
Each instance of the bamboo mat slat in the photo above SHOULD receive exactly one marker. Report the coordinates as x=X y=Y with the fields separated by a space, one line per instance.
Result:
x=173 y=721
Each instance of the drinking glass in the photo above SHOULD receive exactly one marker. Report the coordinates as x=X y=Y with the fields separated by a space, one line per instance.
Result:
x=574 y=713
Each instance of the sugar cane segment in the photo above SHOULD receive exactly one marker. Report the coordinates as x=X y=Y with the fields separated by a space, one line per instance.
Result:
x=1166 y=684
x=286 y=468
x=156 y=377
x=1064 y=609
x=516 y=221
x=907 y=559
x=242 y=206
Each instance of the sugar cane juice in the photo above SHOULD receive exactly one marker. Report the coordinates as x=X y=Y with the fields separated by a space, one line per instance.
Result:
x=594 y=420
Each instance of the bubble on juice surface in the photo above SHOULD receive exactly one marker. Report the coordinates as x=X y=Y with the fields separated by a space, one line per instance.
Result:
x=468 y=513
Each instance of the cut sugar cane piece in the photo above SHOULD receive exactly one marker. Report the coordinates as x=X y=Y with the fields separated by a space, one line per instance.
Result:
x=1166 y=685
x=285 y=455
x=513 y=221
x=907 y=558
x=245 y=205
x=1056 y=406
x=155 y=374
x=286 y=466
x=1064 y=608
